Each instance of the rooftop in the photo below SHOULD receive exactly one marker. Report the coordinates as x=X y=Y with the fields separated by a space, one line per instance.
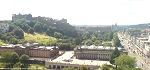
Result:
x=143 y=38
x=36 y=47
x=99 y=47
x=68 y=58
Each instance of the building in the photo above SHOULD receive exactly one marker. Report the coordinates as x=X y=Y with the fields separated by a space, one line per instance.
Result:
x=36 y=52
x=139 y=45
x=94 y=52
x=68 y=60
x=4 y=26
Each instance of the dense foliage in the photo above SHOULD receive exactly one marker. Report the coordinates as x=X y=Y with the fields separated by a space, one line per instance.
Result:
x=1 y=42
x=116 y=41
x=21 y=24
x=25 y=28
x=122 y=62
x=11 y=60
x=97 y=38
x=107 y=67
x=114 y=55
x=44 y=25
x=125 y=62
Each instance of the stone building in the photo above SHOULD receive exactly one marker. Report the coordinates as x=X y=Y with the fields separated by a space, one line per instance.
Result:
x=94 y=52
x=36 y=52
x=139 y=45
x=60 y=66
x=67 y=60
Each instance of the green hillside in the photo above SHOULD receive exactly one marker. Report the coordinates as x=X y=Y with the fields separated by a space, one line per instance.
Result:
x=1 y=42
x=40 y=38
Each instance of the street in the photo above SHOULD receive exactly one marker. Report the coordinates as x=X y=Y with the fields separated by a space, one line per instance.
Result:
x=131 y=48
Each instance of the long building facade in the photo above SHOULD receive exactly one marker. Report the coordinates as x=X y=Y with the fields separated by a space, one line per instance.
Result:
x=94 y=52
x=36 y=52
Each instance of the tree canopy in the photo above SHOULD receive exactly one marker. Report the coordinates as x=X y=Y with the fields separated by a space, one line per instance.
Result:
x=116 y=41
x=12 y=60
x=125 y=62
x=114 y=55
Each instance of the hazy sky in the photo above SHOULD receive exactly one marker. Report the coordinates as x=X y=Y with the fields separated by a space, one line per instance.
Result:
x=81 y=12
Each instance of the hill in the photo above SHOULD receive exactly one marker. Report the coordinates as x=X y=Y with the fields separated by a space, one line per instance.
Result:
x=40 y=38
x=45 y=25
x=45 y=30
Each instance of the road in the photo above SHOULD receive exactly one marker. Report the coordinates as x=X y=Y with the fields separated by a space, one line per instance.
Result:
x=130 y=47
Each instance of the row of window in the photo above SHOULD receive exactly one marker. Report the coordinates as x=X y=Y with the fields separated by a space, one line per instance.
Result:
x=93 y=56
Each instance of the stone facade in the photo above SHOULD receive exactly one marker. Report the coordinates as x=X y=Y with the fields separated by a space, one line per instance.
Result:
x=93 y=54
x=60 y=66
x=99 y=53
x=139 y=45
x=32 y=52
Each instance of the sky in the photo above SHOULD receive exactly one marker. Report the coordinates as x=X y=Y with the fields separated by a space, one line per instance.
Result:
x=81 y=12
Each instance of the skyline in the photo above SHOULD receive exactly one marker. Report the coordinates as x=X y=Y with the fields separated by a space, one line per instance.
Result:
x=81 y=12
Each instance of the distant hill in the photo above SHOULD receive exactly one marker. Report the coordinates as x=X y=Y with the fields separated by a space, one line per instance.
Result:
x=94 y=28
x=140 y=26
x=45 y=25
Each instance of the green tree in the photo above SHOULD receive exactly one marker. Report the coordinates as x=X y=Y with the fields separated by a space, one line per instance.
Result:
x=17 y=65
x=107 y=36
x=78 y=41
x=19 y=34
x=13 y=40
x=24 y=58
x=9 y=58
x=125 y=61
x=1 y=42
x=115 y=54
x=58 y=35
x=88 y=42
x=116 y=41
x=93 y=38
x=107 y=44
x=83 y=68
x=98 y=43
x=38 y=27
x=24 y=61
x=86 y=35
x=31 y=31
x=14 y=57
x=106 y=67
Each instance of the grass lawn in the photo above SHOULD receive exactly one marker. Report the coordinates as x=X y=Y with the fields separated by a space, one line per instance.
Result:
x=36 y=66
x=40 y=38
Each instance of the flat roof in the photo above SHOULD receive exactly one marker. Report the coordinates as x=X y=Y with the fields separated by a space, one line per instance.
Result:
x=99 y=47
x=67 y=58
x=143 y=38
x=146 y=41
x=21 y=46
x=96 y=47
